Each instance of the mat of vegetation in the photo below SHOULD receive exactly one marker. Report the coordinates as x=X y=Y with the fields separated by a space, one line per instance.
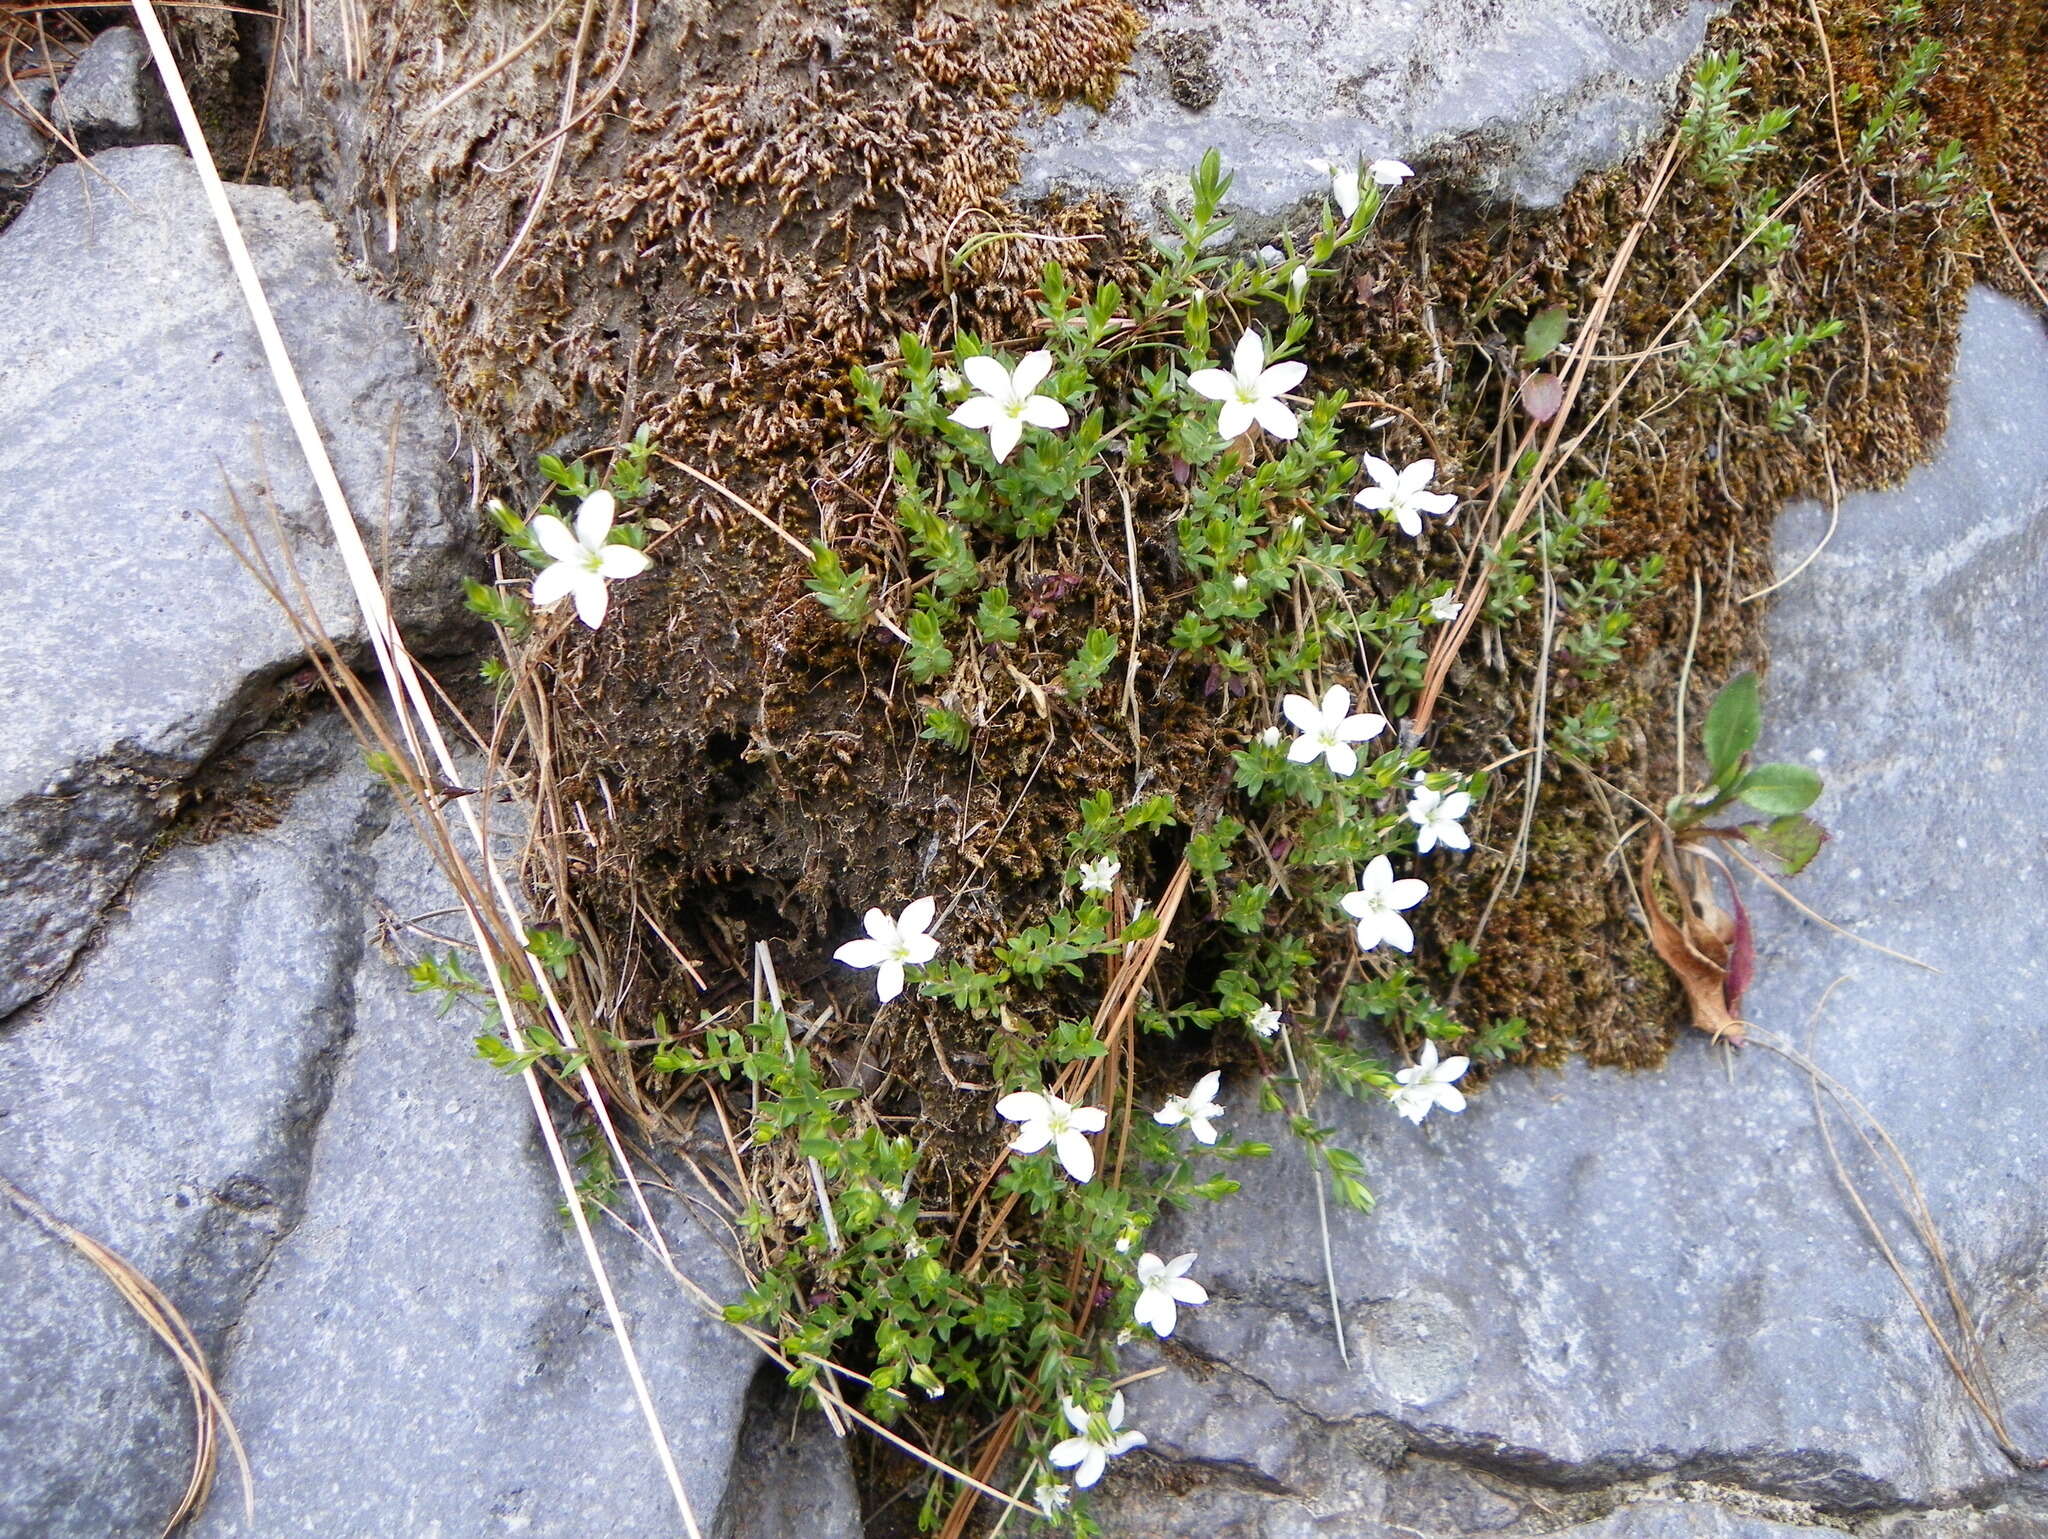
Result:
x=1053 y=686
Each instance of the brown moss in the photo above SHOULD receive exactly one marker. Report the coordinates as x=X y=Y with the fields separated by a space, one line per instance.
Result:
x=771 y=191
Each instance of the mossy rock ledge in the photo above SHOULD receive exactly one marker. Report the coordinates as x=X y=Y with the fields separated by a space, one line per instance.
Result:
x=1630 y=1292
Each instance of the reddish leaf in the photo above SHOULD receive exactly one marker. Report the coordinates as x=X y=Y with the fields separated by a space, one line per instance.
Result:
x=1542 y=395
x=1741 y=955
x=1697 y=957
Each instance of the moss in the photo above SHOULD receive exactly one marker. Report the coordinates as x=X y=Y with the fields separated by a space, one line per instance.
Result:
x=768 y=195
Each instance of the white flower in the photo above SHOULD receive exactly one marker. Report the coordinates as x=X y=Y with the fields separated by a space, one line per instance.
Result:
x=1378 y=903
x=1096 y=1440
x=1162 y=1286
x=1429 y=1084
x=1265 y=1020
x=1100 y=875
x=1046 y=1120
x=1445 y=607
x=1006 y=402
x=1404 y=495
x=891 y=944
x=1343 y=184
x=584 y=562
x=1389 y=173
x=1270 y=737
x=1053 y=1496
x=1197 y=1109
x=1250 y=392
x=1435 y=815
x=1328 y=730
x=1297 y=281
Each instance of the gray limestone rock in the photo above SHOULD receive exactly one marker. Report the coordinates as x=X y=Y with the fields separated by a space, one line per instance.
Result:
x=111 y=95
x=237 y=1090
x=790 y=1476
x=1596 y=1278
x=1516 y=101
x=21 y=145
x=133 y=643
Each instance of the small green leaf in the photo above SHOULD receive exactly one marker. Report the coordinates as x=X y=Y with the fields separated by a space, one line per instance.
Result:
x=1546 y=330
x=1780 y=789
x=1792 y=841
x=1733 y=724
x=948 y=727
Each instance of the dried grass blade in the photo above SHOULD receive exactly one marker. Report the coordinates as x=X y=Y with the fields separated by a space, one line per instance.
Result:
x=487 y=901
x=210 y=1416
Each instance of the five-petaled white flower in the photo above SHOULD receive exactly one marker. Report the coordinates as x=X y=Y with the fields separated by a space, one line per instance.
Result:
x=1053 y=1497
x=1046 y=1120
x=584 y=561
x=1100 y=875
x=1250 y=391
x=1344 y=185
x=1429 y=1084
x=1328 y=730
x=1162 y=1287
x=1389 y=173
x=891 y=944
x=1265 y=1020
x=1404 y=495
x=1198 y=1109
x=1435 y=815
x=1095 y=1442
x=1445 y=607
x=1006 y=401
x=1378 y=903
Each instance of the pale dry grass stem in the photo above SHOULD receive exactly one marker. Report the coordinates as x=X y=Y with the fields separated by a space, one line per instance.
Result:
x=1959 y=1341
x=420 y=760
x=210 y=1419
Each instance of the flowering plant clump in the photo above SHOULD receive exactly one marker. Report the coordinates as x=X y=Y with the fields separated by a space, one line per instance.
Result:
x=1149 y=591
x=1284 y=597
x=995 y=1269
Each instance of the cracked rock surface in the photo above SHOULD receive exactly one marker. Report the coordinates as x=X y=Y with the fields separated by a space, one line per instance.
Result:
x=1594 y=1285
x=236 y=1090
x=137 y=406
x=209 y=1057
x=1516 y=100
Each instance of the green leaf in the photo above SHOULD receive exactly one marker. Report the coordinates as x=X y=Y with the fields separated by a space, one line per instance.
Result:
x=1546 y=330
x=1733 y=724
x=1792 y=841
x=948 y=727
x=1780 y=789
